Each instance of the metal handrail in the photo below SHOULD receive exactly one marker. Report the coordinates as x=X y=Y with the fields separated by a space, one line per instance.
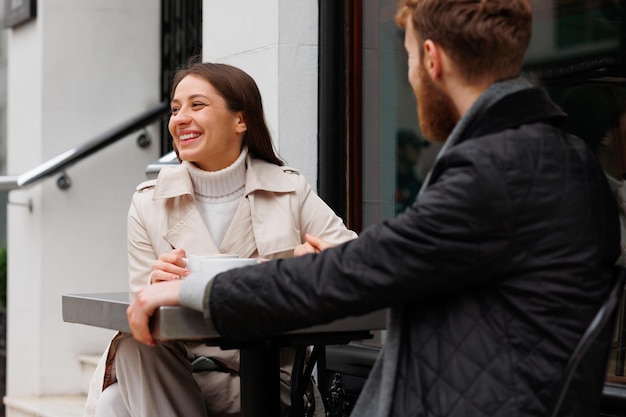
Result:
x=153 y=169
x=62 y=161
x=8 y=183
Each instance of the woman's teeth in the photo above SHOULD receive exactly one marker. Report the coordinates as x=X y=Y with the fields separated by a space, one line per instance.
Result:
x=189 y=136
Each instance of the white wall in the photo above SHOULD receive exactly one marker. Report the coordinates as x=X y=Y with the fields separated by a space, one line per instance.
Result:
x=276 y=42
x=75 y=72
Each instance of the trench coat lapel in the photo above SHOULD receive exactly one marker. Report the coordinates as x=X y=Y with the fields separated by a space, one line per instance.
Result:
x=188 y=231
x=246 y=236
x=186 y=228
x=239 y=237
x=191 y=234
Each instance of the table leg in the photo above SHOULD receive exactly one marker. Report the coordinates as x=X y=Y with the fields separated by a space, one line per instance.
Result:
x=259 y=370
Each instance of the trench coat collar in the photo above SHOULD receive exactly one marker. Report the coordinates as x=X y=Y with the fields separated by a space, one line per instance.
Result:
x=190 y=231
x=175 y=181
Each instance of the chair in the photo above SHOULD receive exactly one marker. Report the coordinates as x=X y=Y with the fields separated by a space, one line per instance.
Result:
x=620 y=357
x=300 y=381
x=603 y=317
x=304 y=363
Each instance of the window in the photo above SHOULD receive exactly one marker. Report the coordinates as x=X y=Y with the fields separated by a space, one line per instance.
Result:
x=576 y=55
x=395 y=155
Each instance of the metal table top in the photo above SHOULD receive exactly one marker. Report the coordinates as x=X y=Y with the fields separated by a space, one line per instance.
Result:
x=108 y=310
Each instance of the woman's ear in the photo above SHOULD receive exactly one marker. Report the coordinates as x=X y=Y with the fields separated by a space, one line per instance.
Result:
x=240 y=124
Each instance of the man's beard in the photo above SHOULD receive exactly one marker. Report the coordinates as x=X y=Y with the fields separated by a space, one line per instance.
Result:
x=436 y=112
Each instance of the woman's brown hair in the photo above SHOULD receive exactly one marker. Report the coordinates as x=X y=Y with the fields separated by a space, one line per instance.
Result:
x=241 y=94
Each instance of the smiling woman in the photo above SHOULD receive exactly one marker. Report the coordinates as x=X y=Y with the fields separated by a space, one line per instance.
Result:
x=231 y=194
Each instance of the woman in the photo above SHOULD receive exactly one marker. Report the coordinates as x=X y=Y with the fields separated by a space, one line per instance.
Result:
x=231 y=194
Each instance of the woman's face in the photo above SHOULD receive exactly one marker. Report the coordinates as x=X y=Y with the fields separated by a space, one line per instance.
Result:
x=204 y=130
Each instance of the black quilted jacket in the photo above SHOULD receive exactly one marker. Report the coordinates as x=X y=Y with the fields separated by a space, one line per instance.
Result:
x=496 y=269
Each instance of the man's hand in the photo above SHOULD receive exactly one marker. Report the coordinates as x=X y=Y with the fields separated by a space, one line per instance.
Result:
x=313 y=244
x=147 y=300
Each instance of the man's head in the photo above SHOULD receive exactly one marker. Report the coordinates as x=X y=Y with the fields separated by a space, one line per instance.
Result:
x=486 y=39
x=457 y=48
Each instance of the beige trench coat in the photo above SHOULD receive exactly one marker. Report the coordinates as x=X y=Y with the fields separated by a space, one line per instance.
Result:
x=277 y=210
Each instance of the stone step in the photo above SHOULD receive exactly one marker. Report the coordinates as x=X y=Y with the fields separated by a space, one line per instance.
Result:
x=55 y=405
x=45 y=406
x=88 y=364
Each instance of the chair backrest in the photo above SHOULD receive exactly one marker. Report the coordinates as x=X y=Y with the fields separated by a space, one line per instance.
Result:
x=599 y=323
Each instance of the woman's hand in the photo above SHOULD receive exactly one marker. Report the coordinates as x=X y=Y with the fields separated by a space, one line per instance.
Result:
x=147 y=300
x=170 y=266
x=313 y=244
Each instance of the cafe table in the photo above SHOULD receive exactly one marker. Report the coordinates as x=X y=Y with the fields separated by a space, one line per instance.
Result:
x=259 y=360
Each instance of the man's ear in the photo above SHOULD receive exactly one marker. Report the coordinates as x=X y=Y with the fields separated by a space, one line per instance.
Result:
x=432 y=59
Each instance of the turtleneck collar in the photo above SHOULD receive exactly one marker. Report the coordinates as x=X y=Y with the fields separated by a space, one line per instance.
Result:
x=219 y=183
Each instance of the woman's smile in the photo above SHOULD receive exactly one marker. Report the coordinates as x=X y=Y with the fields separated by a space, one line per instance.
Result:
x=188 y=136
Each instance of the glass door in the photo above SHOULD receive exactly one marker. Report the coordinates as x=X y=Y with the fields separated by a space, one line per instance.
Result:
x=576 y=54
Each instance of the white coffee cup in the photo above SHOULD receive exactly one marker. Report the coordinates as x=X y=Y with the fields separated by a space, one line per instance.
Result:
x=214 y=264
x=194 y=262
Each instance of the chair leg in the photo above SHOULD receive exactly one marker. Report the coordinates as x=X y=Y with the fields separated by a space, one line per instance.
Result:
x=297 y=380
x=621 y=338
x=300 y=379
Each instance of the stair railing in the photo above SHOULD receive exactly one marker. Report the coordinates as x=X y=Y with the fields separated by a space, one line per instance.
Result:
x=61 y=162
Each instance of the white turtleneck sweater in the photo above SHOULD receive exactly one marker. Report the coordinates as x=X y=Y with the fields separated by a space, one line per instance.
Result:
x=218 y=194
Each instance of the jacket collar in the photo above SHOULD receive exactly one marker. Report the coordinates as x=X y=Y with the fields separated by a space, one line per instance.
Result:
x=504 y=105
x=175 y=181
x=531 y=105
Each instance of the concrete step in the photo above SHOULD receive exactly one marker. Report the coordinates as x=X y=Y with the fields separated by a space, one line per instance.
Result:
x=88 y=364
x=45 y=406
x=55 y=405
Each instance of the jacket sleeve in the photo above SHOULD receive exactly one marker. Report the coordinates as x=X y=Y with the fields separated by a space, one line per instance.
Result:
x=454 y=237
x=141 y=255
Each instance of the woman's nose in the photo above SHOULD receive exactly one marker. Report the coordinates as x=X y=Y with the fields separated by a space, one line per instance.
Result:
x=181 y=116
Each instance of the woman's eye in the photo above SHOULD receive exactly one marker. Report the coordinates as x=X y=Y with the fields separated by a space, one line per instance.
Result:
x=174 y=110
x=197 y=104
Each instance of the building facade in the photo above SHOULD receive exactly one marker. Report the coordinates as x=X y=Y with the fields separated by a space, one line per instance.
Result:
x=76 y=70
x=333 y=79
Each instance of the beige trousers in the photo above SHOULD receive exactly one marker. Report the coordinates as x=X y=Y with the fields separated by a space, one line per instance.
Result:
x=158 y=381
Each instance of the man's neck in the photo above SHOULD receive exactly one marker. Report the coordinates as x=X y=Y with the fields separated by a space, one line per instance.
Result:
x=463 y=95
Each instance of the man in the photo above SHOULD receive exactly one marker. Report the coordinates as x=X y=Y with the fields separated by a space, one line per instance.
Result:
x=495 y=271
